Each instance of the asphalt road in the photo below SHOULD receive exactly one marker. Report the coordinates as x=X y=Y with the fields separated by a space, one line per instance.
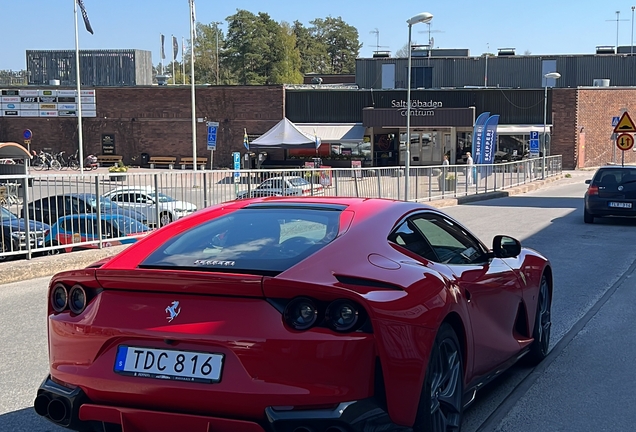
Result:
x=592 y=302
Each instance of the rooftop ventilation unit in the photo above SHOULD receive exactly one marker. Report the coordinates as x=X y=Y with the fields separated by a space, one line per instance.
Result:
x=601 y=82
x=506 y=51
x=605 y=50
x=381 y=54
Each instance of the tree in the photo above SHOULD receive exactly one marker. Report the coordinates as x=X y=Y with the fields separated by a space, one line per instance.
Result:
x=313 y=53
x=287 y=63
x=205 y=51
x=249 y=47
x=404 y=51
x=342 y=43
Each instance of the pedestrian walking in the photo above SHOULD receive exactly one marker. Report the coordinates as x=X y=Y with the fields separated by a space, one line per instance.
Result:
x=469 y=169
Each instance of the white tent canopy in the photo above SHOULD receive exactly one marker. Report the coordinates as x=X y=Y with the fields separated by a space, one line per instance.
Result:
x=285 y=135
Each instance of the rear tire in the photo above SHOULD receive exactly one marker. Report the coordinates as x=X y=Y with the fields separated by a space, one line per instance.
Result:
x=5 y=248
x=441 y=402
x=542 y=326
x=587 y=217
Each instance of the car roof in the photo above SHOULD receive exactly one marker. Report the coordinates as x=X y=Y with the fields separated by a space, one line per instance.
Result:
x=104 y=216
x=617 y=167
x=286 y=178
x=132 y=188
x=365 y=205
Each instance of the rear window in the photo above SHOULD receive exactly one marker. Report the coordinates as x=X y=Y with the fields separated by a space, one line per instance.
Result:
x=259 y=239
x=297 y=181
x=614 y=176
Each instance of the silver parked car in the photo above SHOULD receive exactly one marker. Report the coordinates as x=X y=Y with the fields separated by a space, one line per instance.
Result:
x=145 y=201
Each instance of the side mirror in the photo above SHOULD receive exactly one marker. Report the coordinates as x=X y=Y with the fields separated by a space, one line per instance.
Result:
x=506 y=247
x=588 y=181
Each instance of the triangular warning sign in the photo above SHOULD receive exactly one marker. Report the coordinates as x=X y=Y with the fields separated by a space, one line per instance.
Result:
x=625 y=124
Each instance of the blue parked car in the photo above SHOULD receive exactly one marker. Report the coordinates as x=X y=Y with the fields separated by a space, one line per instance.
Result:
x=50 y=209
x=13 y=235
x=116 y=230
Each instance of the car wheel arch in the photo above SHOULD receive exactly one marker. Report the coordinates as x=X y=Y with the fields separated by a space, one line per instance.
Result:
x=456 y=322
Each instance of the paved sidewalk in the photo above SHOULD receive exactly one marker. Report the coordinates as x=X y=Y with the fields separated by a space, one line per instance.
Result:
x=589 y=384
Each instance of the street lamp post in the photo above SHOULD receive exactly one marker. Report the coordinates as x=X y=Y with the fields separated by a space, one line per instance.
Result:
x=554 y=76
x=423 y=17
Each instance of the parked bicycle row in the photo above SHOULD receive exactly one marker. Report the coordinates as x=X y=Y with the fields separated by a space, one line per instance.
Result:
x=59 y=161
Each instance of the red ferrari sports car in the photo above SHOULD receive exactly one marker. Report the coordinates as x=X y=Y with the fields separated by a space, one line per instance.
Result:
x=286 y=314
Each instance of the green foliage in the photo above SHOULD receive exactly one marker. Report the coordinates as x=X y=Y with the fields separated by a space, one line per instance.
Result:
x=118 y=168
x=341 y=42
x=256 y=50
x=286 y=65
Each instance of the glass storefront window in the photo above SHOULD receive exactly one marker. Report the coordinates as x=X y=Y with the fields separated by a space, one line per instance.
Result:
x=356 y=150
x=512 y=147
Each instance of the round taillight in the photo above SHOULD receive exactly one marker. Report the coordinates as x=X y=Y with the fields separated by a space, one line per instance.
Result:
x=301 y=313
x=342 y=315
x=77 y=299
x=59 y=298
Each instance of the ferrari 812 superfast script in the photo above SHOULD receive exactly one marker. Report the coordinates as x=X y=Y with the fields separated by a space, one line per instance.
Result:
x=293 y=314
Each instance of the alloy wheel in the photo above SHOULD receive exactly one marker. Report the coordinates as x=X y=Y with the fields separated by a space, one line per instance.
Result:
x=446 y=397
x=545 y=319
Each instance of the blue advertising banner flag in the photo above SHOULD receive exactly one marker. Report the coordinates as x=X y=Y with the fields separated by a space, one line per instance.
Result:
x=489 y=140
x=477 y=136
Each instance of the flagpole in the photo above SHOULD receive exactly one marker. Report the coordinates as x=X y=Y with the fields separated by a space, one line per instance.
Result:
x=183 y=59
x=79 y=94
x=160 y=54
x=192 y=91
x=174 y=77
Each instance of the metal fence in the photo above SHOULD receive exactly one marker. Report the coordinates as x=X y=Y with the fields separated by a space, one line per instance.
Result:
x=64 y=212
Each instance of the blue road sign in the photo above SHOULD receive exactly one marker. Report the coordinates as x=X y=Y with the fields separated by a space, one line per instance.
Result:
x=615 y=121
x=534 y=145
x=212 y=129
x=534 y=135
x=27 y=134
x=237 y=166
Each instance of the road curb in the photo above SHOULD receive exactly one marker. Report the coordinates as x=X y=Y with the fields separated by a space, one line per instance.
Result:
x=43 y=266
x=16 y=271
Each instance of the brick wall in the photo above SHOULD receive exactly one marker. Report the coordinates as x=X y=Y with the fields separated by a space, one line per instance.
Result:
x=597 y=106
x=157 y=120
x=564 y=130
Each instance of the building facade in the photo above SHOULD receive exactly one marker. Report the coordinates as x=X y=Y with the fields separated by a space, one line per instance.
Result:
x=98 y=68
x=354 y=124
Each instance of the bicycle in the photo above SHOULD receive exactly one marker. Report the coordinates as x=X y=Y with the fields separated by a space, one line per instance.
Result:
x=59 y=156
x=73 y=161
x=45 y=160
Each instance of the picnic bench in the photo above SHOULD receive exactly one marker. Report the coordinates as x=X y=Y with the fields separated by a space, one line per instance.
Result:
x=109 y=159
x=162 y=160
x=201 y=161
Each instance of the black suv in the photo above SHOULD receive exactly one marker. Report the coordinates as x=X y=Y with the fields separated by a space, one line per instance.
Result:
x=13 y=236
x=50 y=209
x=612 y=192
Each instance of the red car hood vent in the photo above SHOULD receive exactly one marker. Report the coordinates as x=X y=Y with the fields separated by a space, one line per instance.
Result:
x=178 y=281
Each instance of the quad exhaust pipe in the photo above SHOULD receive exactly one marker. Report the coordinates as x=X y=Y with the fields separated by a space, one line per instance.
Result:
x=55 y=409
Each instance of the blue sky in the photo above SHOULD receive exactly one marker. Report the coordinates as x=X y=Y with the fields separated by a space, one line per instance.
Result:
x=541 y=27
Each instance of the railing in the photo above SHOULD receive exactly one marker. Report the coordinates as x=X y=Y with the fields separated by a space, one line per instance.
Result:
x=97 y=202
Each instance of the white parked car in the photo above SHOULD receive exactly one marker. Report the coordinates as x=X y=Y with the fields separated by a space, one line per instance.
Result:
x=284 y=186
x=142 y=199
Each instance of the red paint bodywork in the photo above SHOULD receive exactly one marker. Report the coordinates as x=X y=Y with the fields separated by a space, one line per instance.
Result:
x=266 y=362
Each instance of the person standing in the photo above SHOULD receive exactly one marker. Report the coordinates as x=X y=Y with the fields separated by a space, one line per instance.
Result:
x=469 y=169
